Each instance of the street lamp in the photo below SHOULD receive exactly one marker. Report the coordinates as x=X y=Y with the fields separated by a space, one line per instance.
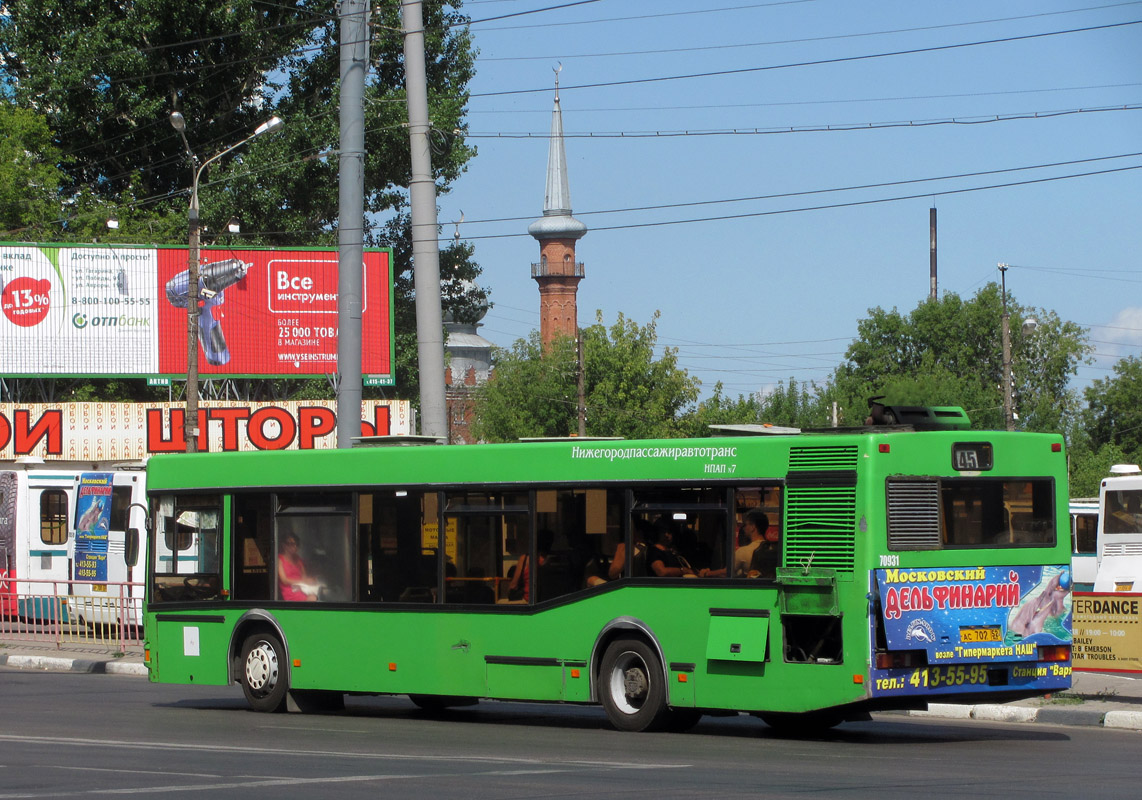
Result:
x=178 y=122
x=1029 y=326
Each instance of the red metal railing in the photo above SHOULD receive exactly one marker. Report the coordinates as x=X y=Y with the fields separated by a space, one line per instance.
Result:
x=73 y=613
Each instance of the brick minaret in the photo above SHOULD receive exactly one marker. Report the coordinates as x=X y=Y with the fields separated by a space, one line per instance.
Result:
x=557 y=273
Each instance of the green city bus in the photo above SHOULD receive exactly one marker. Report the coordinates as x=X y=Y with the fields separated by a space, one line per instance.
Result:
x=901 y=564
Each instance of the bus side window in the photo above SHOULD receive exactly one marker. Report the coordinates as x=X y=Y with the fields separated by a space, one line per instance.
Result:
x=320 y=567
x=53 y=516
x=397 y=551
x=120 y=507
x=251 y=523
x=187 y=563
x=1086 y=534
x=578 y=531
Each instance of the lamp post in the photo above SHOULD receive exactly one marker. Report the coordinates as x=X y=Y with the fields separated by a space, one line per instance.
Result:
x=1029 y=326
x=178 y=122
x=1005 y=334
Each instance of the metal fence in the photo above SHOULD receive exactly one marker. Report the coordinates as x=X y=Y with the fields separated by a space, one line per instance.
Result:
x=72 y=613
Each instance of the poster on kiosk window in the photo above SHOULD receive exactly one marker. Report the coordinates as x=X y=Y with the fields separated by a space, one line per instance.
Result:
x=92 y=524
x=970 y=628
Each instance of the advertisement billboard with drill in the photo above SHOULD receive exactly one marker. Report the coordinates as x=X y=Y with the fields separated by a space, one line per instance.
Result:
x=122 y=311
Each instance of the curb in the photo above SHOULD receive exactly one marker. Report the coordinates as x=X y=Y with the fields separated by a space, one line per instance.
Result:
x=1122 y=720
x=53 y=664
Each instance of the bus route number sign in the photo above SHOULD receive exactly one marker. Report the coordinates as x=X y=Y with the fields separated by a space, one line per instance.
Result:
x=971 y=457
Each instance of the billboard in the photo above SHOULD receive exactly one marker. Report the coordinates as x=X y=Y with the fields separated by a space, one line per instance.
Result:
x=91 y=310
x=1108 y=632
x=134 y=431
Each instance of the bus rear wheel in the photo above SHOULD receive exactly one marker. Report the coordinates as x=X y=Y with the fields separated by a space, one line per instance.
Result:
x=263 y=677
x=631 y=686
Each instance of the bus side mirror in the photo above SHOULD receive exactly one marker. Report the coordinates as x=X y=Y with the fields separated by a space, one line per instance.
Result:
x=131 y=547
x=131 y=540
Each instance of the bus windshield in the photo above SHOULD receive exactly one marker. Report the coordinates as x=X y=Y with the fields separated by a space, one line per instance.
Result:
x=1124 y=511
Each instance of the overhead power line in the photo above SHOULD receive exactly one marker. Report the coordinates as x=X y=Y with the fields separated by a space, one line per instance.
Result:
x=829 y=206
x=775 y=42
x=807 y=192
x=815 y=63
x=826 y=128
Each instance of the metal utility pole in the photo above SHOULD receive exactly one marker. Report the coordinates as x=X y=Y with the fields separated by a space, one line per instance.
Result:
x=425 y=252
x=1008 y=405
x=932 y=253
x=351 y=217
x=581 y=381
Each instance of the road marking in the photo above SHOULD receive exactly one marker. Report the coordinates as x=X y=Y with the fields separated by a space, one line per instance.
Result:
x=269 y=782
x=121 y=771
x=281 y=751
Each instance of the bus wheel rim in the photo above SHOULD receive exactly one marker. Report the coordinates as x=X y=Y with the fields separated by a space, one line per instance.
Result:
x=629 y=683
x=262 y=668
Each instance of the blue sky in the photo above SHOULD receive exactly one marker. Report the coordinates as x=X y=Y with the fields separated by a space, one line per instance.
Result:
x=825 y=98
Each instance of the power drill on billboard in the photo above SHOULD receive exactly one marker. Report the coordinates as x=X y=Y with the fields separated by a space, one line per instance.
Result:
x=213 y=281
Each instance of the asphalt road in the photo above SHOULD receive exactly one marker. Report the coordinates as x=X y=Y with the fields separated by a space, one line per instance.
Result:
x=77 y=735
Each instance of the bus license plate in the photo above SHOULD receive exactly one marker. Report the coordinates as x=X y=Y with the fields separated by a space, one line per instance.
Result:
x=989 y=633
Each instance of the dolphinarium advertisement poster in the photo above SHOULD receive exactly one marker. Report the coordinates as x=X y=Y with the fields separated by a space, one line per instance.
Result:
x=978 y=627
x=92 y=523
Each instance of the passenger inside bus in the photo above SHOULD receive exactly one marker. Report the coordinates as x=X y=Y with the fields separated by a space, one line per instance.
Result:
x=641 y=532
x=699 y=554
x=662 y=559
x=767 y=556
x=294 y=582
x=755 y=525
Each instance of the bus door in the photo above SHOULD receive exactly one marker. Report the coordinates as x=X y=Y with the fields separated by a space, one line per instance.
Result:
x=1084 y=542
x=42 y=546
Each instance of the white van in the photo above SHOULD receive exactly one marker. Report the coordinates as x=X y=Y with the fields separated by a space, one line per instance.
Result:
x=1120 y=531
x=64 y=541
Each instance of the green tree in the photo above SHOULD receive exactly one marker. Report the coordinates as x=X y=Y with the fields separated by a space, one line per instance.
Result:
x=949 y=352
x=106 y=77
x=628 y=391
x=1088 y=467
x=30 y=176
x=795 y=405
x=531 y=393
x=1113 y=413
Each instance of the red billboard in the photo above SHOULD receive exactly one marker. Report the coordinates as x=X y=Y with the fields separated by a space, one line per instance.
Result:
x=122 y=310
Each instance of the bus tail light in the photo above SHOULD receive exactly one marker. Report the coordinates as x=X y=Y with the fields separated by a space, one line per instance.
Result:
x=1055 y=652
x=900 y=659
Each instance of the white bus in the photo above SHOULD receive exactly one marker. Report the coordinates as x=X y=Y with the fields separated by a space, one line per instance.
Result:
x=63 y=541
x=1084 y=542
x=1120 y=531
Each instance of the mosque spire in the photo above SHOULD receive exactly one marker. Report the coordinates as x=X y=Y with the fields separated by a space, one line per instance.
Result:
x=557 y=273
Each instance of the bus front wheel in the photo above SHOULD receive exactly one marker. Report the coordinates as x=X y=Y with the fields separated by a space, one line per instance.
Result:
x=263 y=676
x=631 y=686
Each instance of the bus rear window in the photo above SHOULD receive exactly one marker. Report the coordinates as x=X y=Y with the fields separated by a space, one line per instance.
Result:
x=998 y=513
x=972 y=512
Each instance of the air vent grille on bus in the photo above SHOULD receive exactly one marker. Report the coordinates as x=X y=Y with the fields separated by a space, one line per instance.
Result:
x=913 y=515
x=803 y=459
x=821 y=526
x=1122 y=549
